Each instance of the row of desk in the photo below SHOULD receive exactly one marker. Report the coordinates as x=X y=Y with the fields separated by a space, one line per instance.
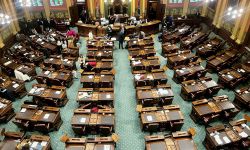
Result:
x=219 y=107
x=149 y=28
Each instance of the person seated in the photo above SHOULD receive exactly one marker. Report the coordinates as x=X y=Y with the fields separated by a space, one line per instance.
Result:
x=142 y=35
x=109 y=31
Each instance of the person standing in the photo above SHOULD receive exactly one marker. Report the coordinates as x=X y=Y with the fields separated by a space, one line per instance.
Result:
x=121 y=36
x=59 y=46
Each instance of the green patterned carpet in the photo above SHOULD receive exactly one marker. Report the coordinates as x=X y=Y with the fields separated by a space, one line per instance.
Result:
x=127 y=119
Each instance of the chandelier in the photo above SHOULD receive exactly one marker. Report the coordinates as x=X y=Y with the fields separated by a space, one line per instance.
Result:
x=25 y=3
x=4 y=19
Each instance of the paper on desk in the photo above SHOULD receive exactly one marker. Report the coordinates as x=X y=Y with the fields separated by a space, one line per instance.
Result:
x=32 y=90
x=181 y=71
x=243 y=134
x=7 y=63
x=34 y=144
x=15 y=85
x=2 y=105
x=108 y=96
x=102 y=75
x=90 y=77
x=46 y=72
x=137 y=76
x=42 y=43
x=226 y=139
x=43 y=143
x=65 y=60
x=82 y=120
x=53 y=34
x=107 y=147
x=229 y=76
x=51 y=59
x=58 y=92
x=218 y=140
x=46 y=116
x=149 y=118
x=23 y=110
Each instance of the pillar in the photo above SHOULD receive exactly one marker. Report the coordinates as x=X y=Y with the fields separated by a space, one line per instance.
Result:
x=26 y=11
x=244 y=26
x=46 y=8
x=185 y=7
x=143 y=8
x=91 y=8
x=8 y=12
x=68 y=4
x=217 y=12
x=14 y=15
x=222 y=13
x=237 y=24
x=204 y=9
x=102 y=9
x=132 y=7
x=1 y=42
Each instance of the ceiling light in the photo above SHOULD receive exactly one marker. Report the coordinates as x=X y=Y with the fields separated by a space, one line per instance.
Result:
x=241 y=10
x=233 y=16
x=230 y=8
x=228 y=13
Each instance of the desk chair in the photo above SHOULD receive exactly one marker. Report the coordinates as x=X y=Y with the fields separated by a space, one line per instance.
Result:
x=153 y=127
x=55 y=82
x=42 y=127
x=148 y=102
x=40 y=80
x=105 y=130
x=79 y=130
x=176 y=125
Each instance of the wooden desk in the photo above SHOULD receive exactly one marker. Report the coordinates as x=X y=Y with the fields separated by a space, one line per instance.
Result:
x=58 y=63
x=177 y=34
x=148 y=65
x=193 y=40
x=168 y=48
x=100 y=143
x=58 y=78
x=150 y=27
x=27 y=54
x=179 y=140
x=6 y=110
x=99 y=55
x=44 y=44
x=30 y=118
x=84 y=121
x=11 y=140
x=39 y=141
x=205 y=111
x=210 y=47
x=84 y=29
x=151 y=97
x=86 y=96
x=143 y=53
x=181 y=58
x=185 y=73
x=219 y=62
x=166 y=118
x=49 y=96
x=241 y=128
x=97 y=81
x=150 y=79
x=242 y=97
x=218 y=137
x=10 y=67
x=12 y=88
x=195 y=89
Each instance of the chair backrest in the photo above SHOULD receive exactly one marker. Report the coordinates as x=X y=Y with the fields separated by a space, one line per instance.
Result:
x=153 y=127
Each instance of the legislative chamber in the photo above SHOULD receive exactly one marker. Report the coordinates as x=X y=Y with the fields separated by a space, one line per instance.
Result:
x=124 y=74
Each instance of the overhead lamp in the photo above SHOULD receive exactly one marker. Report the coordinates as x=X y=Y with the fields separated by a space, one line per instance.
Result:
x=25 y=3
x=207 y=1
x=234 y=12
x=4 y=19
